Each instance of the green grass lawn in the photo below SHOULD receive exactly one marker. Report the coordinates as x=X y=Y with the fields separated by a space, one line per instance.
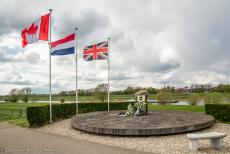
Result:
x=15 y=112
x=55 y=97
x=72 y=98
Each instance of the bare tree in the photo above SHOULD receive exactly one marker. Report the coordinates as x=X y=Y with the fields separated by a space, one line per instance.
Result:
x=100 y=91
x=164 y=96
x=14 y=95
x=25 y=92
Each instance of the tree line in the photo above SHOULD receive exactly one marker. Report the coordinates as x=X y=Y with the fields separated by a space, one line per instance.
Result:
x=100 y=92
x=15 y=94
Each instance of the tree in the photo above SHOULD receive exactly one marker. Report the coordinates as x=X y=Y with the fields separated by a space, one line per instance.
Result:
x=14 y=95
x=193 y=99
x=164 y=96
x=100 y=91
x=25 y=92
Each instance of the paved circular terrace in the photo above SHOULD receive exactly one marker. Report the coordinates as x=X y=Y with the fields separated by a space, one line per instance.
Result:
x=155 y=123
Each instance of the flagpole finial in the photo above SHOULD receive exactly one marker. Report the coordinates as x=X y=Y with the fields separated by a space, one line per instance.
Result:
x=108 y=38
x=76 y=28
x=50 y=10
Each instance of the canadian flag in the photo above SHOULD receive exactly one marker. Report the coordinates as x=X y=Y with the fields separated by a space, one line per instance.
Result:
x=38 y=30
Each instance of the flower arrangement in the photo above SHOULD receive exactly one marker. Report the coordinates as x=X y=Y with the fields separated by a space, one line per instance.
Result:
x=130 y=110
x=137 y=110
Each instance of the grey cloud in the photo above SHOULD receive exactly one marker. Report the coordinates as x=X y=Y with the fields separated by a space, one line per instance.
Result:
x=120 y=76
x=16 y=78
x=5 y=58
x=15 y=16
x=160 y=67
x=87 y=20
x=221 y=67
x=30 y=57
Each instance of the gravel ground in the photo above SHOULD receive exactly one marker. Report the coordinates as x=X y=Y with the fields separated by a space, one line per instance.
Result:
x=173 y=144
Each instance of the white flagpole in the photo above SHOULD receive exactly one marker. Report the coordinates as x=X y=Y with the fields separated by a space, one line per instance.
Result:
x=108 y=71
x=50 y=95
x=76 y=59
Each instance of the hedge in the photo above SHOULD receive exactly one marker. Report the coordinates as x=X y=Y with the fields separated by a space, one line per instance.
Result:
x=39 y=115
x=221 y=112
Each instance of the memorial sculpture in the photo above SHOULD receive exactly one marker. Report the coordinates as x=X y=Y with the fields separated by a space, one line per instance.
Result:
x=140 y=107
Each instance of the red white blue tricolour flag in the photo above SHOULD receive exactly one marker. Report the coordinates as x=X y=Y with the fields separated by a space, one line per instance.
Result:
x=63 y=46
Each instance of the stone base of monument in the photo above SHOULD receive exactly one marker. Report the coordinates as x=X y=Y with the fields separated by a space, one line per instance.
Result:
x=155 y=123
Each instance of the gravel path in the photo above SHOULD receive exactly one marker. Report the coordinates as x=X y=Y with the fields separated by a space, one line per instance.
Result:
x=174 y=144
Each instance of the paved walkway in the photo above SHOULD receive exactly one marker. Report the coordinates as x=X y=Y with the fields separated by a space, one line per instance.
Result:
x=14 y=139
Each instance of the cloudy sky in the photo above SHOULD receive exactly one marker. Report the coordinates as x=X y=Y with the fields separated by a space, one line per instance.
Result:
x=153 y=42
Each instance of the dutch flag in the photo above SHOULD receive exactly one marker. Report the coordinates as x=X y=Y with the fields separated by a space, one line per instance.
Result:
x=63 y=46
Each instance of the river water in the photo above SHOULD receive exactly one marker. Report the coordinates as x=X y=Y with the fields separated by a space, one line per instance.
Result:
x=201 y=102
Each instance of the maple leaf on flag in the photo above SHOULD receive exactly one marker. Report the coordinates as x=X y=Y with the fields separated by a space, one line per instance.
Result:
x=38 y=30
x=33 y=29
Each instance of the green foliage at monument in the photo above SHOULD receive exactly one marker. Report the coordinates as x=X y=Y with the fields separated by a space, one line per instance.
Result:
x=137 y=109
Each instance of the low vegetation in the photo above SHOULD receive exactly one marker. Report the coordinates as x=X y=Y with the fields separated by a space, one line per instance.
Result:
x=39 y=115
x=164 y=96
x=213 y=98
x=15 y=112
x=193 y=100
x=100 y=92
x=221 y=112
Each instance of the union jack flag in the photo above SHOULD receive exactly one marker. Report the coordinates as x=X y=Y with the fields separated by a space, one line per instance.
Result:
x=97 y=51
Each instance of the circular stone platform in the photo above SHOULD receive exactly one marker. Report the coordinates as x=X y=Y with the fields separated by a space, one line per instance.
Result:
x=155 y=123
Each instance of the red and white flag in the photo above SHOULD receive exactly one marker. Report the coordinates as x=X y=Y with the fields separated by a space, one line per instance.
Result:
x=38 y=30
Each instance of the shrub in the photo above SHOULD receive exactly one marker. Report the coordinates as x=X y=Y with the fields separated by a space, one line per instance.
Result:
x=100 y=92
x=164 y=97
x=39 y=115
x=220 y=112
x=62 y=100
x=193 y=99
x=213 y=98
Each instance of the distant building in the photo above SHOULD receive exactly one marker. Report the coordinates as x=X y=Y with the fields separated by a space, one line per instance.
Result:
x=201 y=87
x=180 y=90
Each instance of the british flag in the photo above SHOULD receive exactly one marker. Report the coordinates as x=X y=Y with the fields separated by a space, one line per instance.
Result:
x=97 y=51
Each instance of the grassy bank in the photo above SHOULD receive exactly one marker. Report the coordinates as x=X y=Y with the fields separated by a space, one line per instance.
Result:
x=114 y=98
